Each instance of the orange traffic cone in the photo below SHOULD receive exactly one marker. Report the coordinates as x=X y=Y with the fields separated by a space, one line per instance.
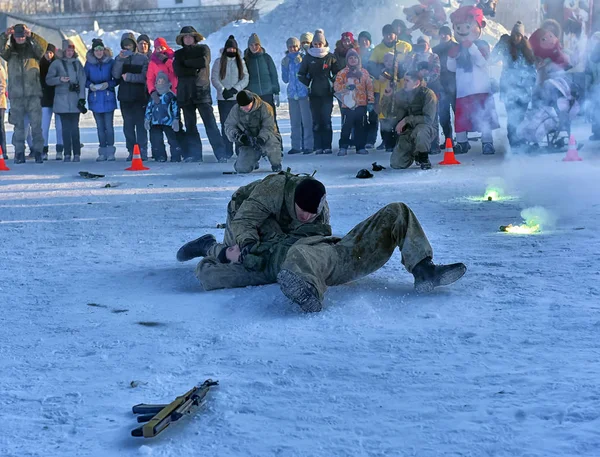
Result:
x=136 y=163
x=449 y=158
x=3 y=166
x=572 y=154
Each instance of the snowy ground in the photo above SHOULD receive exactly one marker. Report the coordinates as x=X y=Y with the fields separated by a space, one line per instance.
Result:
x=503 y=363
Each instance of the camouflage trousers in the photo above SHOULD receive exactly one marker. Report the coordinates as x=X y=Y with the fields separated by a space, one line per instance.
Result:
x=32 y=107
x=328 y=261
x=410 y=143
x=248 y=157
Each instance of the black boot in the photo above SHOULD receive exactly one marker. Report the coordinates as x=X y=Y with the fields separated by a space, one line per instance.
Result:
x=38 y=157
x=423 y=159
x=428 y=276
x=19 y=157
x=299 y=291
x=197 y=248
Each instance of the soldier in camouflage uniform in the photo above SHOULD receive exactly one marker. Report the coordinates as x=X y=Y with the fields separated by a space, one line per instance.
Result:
x=251 y=126
x=23 y=50
x=264 y=218
x=414 y=110
x=272 y=243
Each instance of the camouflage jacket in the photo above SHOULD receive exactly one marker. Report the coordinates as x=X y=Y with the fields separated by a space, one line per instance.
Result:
x=265 y=214
x=23 y=65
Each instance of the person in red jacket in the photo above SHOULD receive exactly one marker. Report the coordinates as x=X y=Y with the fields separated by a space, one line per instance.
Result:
x=161 y=60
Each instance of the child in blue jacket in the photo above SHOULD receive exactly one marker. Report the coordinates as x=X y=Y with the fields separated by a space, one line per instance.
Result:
x=163 y=117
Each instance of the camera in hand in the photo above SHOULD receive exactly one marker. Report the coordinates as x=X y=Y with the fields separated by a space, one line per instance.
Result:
x=74 y=87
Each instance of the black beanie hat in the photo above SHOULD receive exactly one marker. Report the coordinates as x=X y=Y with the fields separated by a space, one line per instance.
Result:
x=244 y=98
x=387 y=29
x=231 y=43
x=445 y=30
x=144 y=37
x=310 y=195
x=51 y=48
x=97 y=42
x=365 y=34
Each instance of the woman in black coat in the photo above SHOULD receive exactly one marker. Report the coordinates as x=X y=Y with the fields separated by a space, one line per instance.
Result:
x=317 y=72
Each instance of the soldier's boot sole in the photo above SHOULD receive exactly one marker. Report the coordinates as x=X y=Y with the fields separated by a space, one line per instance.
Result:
x=443 y=275
x=196 y=248
x=299 y=291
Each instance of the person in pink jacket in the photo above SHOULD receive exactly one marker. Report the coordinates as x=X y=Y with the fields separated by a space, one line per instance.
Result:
x=161 y=60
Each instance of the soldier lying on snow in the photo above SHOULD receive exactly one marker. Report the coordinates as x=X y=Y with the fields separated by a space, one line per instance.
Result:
x=278 y=231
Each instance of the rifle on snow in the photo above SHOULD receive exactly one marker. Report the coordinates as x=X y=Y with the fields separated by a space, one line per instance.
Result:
x=158 y=417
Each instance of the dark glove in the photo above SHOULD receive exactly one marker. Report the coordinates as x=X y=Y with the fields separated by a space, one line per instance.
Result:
x=261 y=142
x=155 y=97
x=244 y=251
x=454 y=50
x=244 y=139
x=81 y=106
x=229 y=93
x=351 y=86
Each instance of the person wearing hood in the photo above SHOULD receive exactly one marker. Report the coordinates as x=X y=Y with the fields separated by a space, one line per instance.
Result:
x=143 y=45
x=102 y=99
x=3 y=107
x=163 y=118
x=305 y=42
x=66 y=74
x=517 y=79
x=192 y=68
x=251 y=125
x=263 y=79
x=130 y=69
x=342 y=46
x=299 y=106
x=447 y=99
x=229 y=76
x=413 y=111
x=160 y=60
x=317 y=72
x=47 y=103
x=401 y=30
x=354 y=88
x=22 y=49
x=390 y=43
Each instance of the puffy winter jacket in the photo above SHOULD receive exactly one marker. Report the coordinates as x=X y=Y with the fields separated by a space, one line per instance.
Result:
x=47 y=91
x=165 y=112
x=66 y=100
x=290 y=66
x=161 y=61
x=136 y=65
x=98 y=72
x=192 y=68
x=23 y=65
x=232 y=76
x=447 y=77
x=363 y=92
x=318 y=73
x=262 y=73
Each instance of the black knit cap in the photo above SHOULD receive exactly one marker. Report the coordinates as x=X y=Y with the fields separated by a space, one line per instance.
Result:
x=309 y=195
x=445 y=30
x=144 y=37
x=231 y=43
x=96 y=42
x=244 y=98
x=365 y=34
x=51 y=48
x=387 y=29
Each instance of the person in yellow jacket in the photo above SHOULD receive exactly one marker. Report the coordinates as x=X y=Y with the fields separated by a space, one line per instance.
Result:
x=384 y=76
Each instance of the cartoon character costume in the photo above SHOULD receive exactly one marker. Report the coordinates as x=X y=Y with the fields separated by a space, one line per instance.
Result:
x=475 y=108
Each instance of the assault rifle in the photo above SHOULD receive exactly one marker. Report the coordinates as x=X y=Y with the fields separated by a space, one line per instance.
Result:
x=159 y=417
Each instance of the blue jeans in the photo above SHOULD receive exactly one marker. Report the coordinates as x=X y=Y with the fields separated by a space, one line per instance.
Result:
x=106 y=129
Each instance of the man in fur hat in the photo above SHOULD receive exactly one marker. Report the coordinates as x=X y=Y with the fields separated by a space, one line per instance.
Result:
x=475 y=108
x=192 y=68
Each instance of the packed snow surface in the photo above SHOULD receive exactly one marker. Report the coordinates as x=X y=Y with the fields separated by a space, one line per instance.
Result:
x=502 y=363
